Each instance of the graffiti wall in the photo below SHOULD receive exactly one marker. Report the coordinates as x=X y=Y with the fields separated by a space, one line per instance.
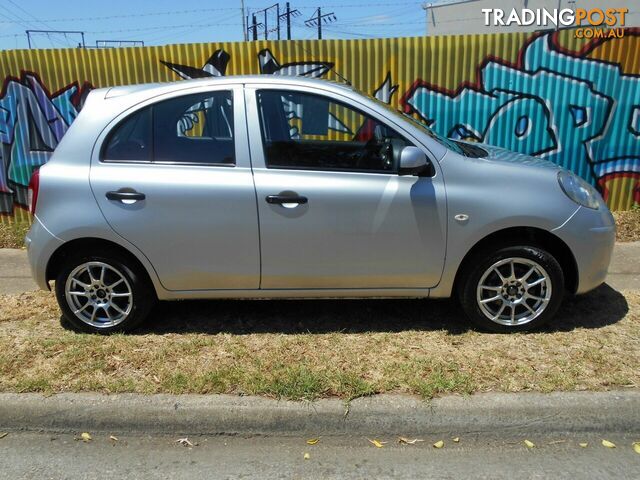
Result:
x=574 y=102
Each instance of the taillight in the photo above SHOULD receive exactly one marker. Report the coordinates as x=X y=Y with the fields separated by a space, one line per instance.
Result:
x=32 y=194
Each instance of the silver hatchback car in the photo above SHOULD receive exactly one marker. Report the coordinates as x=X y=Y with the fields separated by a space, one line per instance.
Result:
x=263 y=187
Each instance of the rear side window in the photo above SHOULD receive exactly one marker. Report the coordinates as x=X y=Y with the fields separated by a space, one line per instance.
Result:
x=193 y=129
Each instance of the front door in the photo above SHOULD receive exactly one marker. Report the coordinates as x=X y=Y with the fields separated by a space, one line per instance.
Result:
x=175 y=180
x=334 y=213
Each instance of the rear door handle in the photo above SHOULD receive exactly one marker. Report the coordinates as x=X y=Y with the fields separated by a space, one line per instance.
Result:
x=281 y=199
x=126 y=195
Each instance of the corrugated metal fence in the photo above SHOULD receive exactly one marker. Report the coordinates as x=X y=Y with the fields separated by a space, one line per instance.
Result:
x=573 y=101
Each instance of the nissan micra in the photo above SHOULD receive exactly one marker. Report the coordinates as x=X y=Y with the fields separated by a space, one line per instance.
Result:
x=272 y=187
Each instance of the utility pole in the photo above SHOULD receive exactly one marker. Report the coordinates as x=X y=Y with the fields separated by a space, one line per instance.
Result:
x=288 y=22
x=288 y=14
x=255 y=27
x=245 y=30
x=317 y=19
x=266 y=28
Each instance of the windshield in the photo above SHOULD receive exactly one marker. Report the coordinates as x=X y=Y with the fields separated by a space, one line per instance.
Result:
x=450 y=144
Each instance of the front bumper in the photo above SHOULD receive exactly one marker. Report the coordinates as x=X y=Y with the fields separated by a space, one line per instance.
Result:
x=41 y=244
x=591 y=235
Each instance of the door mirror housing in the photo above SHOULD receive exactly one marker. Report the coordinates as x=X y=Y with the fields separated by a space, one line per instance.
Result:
x=413 y=161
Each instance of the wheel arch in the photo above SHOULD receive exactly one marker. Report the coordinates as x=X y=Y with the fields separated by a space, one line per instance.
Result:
x=91 y=245
x=532 y=236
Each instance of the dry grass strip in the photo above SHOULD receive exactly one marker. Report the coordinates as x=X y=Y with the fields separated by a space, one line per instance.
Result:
x=311 y=349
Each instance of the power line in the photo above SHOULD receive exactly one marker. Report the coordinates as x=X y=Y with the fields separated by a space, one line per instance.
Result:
x=64 y=42
x=165 y=27
x=29 y=14
x=199 y=10
x=27 y=24
x=189 y=29
x=132 y=15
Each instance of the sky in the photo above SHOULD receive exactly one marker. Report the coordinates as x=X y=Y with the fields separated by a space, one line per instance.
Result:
x=160 y=22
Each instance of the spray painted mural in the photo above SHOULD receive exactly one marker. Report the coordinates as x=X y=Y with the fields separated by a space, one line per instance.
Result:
x=553 y=104
x=574 y=102
x=32 y=122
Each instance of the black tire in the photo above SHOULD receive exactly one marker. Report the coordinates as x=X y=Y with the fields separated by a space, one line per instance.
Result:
x=476 y=267
x=143 y=296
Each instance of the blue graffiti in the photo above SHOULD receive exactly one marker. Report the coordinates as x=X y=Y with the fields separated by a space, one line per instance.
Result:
x=556 y=106
x=32 y=123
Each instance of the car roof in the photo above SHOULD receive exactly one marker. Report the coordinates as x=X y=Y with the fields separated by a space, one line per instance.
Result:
x=153 y=88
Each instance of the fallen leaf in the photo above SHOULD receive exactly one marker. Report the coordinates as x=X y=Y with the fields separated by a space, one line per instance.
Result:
x=439 y=444
x=113 y=439
x=307 y=456
x=456 y=440
x=313 y=441
x=584 y=444
x=185 y=442
x=376 y=443
x=3 y=434
x=636 y=447
x=406 y=441
x=608 y=444
x=86 y=437
x=529 y=444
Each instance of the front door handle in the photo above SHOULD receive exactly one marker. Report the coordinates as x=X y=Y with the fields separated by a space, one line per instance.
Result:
x=283 y=199
x=128 y=196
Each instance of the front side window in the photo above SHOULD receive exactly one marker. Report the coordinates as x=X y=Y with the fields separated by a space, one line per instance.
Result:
x=306 y=131
x=194 y=129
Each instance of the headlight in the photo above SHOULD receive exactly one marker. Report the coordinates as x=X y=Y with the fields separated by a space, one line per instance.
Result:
x=578 y=190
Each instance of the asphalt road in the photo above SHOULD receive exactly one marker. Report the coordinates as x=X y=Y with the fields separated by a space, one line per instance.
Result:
x=59 y=456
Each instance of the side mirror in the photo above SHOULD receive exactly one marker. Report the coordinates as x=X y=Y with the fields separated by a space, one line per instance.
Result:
x=413 y=161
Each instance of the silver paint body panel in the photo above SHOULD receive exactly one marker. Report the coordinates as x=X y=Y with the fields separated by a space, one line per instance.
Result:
x=207 y=232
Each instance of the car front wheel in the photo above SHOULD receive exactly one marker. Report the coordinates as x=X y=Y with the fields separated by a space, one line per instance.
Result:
x=103 y=293
x=513 y=289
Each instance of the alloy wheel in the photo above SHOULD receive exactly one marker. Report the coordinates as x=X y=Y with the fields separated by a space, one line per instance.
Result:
x=98 y=294
x=514 y=291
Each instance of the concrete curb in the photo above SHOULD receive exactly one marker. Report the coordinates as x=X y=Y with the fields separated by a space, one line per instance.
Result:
x=384 y=414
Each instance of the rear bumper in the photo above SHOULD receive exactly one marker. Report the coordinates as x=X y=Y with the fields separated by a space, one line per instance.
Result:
x=591 y=235
x=41 y=244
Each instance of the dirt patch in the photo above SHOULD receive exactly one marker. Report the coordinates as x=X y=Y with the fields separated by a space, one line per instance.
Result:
x=628 y=225
x=310 y=349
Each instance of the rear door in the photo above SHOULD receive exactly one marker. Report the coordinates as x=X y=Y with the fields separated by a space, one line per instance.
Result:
x=174 y=179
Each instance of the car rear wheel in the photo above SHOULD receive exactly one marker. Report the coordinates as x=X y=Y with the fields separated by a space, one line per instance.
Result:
x=513 y=289
x=103 y=293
